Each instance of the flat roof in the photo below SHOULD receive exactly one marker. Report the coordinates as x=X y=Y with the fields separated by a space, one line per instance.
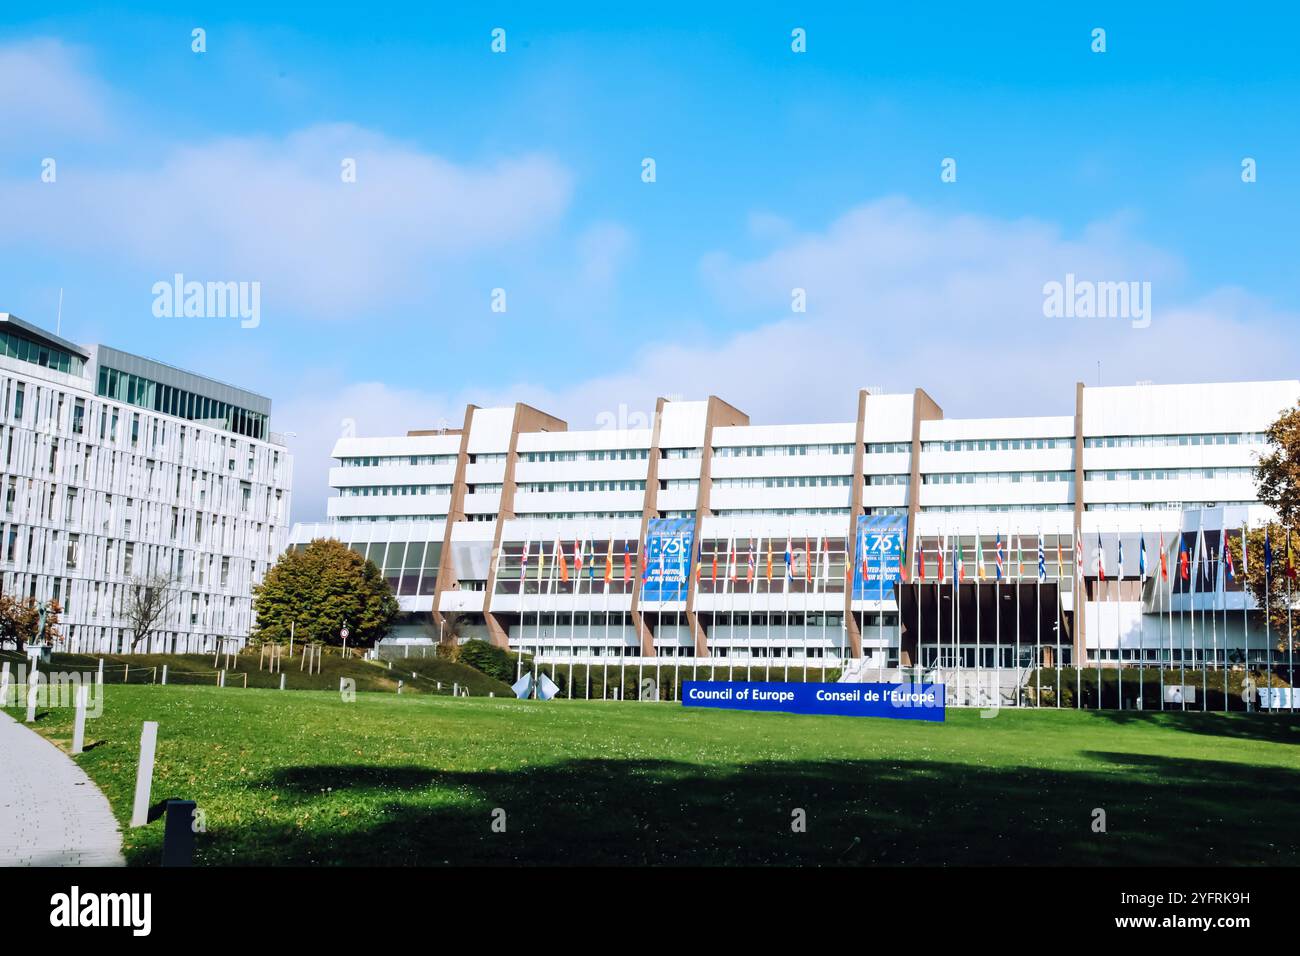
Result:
x=40 y=335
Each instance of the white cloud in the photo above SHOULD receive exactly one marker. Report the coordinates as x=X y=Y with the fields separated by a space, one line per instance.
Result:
x=45 y=89
x=905 y=298
x=277 y=211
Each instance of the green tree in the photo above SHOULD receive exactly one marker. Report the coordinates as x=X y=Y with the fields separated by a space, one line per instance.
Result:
x=1277 y=484
x=322 y=587
x=1277 y=475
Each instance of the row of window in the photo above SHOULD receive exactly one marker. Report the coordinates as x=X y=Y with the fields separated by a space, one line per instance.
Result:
x=373 y=461
x=1169 y=441
x=571 y=486
x=786 y=481
x=877 y=480
x=994 y=477
x=997 y=444
x=1166 y=474
x=1159 y=505
x=385 y=491
x=889 y=447
x=957 y=509
x=593 y=454
x=17 y=346
x=146 y=393
x=769 y=451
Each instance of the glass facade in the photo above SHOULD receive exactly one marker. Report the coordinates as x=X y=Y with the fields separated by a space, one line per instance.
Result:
x=146 y=393
x=18 y=346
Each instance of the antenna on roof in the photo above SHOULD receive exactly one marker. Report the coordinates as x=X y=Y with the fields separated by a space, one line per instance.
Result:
x=58 y=319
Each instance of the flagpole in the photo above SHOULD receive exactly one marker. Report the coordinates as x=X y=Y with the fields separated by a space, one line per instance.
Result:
x=1060 y=620
x=979 y=586
x=880 y=619
x=1182 y=626
x=523 y=589
x=1290 y=631
x=786 y=585
x=1101 y=598
x=1164 y=602
x=1245 y=591
x=1268 y=627
x=750 y=590
x=767 y=658
x=1038 y=623
x=1142 y=617
x=577 y=588
x=807 y=579
x=997 y=620
x=826 y=586
x=1020 y=570
x=1119 y=624
x=604 y=651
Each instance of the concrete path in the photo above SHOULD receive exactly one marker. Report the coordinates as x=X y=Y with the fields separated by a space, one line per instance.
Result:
x=51 y=814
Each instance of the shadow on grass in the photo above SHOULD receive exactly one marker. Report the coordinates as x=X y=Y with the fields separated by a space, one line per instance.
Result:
x=1269 y=728
x=1158 y=811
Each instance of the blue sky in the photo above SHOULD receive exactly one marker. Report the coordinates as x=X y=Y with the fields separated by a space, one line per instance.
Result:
x=775 y=170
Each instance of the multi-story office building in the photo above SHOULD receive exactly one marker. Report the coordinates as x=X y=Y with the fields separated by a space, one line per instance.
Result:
x=116 y=469
x=705 y=536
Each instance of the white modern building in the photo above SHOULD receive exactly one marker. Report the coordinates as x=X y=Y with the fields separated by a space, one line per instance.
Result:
x=118 y=468
x=684 y=527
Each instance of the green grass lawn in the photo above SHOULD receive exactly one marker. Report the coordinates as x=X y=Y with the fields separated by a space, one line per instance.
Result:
x=305 y=778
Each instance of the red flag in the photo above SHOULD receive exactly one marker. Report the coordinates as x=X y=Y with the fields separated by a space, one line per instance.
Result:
x=715 y=567
x=1164 y=564
x=807 y=562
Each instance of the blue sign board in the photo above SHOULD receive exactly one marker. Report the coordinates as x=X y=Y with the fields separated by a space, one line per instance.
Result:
x=899 y=701
x=880 y=543
x=670 y=546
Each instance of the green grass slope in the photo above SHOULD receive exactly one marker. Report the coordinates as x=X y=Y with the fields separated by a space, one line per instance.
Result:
x=418 y=676
x=309 y=779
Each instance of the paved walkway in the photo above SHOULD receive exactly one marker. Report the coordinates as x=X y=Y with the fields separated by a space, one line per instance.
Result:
x=51 y=814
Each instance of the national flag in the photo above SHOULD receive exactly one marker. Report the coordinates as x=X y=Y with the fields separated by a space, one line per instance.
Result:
x=920 y=560
x=1142 y=557
x=789 y=575
x=1042 y=559
x=807 y=563
x=1020 y=557
x=714 y=576
x=627 y=559
x=564 y=564
x=958 y=560
x=577 y=558
x=769 y=559
x=749 y=574
x=609 y=562
x=541 y=559
x=1203 y=550
x=523 y=563
x=1164 y=563
x=1060 y=564
x=1078 y=552
x=1227 y=558
x=826 y=560
x=1244 y=553
x=1101 y=559
x=1120 y=542
x=1268 y=552
x=997 y=556
x=902 y=569
x=979 y=557
x=1182 y=558
x=939 y=551
x=731 y=563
